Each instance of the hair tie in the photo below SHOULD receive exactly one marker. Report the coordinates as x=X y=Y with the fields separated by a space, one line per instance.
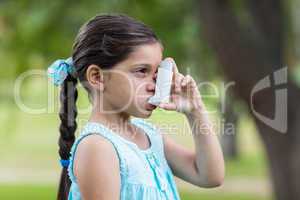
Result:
x=59 y=70
x=64 y=163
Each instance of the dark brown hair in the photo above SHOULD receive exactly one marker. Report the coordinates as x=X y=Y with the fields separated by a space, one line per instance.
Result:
x=104 y=41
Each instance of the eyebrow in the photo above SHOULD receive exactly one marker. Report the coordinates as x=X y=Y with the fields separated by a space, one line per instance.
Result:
x=142 y=64
x=146 y=65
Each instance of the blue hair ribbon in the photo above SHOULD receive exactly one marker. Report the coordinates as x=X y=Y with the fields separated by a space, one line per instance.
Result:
x=59 y=70
x=64 y=163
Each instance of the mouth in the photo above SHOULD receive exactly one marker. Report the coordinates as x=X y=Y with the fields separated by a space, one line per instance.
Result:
x=150 y=107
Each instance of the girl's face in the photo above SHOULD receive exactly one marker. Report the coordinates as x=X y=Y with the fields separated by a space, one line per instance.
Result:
x=132 y=82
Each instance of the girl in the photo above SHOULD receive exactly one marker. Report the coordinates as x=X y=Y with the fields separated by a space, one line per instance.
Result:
x=116 y=156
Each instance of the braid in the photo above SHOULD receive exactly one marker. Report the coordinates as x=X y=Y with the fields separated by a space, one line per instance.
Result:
x=67 y=128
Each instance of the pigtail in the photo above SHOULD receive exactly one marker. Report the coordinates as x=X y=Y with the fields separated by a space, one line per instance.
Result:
x=67 y=128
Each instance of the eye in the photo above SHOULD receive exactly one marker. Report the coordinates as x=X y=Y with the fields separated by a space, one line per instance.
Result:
x=141 y=72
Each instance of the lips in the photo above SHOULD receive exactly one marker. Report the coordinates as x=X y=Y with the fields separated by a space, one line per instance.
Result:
x=150 y=106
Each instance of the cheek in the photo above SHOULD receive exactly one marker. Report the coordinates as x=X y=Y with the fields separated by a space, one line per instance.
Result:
x=140 y=92
x=120 y=89
x=128 y=90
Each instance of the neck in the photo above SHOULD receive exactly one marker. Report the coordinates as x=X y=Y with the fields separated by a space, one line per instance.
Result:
x=117 y=121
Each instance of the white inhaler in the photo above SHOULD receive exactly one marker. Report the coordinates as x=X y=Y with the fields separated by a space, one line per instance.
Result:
x=163 y=83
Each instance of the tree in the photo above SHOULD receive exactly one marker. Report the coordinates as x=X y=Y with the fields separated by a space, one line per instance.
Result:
x=247 y=54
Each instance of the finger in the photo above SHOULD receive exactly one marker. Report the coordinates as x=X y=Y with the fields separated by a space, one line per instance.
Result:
x=175 y=69
x=187 y=80
x=178 y=81
x=174 y=97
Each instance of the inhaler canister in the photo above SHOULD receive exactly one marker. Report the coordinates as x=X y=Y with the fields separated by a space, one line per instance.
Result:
x=163 y=83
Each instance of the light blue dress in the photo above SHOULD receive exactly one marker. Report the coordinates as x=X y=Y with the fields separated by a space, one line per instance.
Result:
x=145 y=174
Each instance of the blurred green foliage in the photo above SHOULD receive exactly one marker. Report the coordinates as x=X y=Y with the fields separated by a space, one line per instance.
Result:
x=33 y=33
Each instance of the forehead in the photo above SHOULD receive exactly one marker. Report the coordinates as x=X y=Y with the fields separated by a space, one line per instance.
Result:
x=150 y=54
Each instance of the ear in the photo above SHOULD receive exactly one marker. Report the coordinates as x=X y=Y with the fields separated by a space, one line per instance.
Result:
x=94 y=76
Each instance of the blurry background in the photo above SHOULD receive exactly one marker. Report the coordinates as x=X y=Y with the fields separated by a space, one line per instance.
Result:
x=218 y=41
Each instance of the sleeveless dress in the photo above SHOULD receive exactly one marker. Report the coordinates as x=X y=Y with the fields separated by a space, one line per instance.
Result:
x=145 y=174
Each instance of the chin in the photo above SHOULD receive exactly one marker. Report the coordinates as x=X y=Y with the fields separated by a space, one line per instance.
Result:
x=145 y=114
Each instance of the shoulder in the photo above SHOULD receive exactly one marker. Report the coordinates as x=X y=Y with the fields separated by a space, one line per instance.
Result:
x=95 y=142
x=96 y=165
x=95 y=149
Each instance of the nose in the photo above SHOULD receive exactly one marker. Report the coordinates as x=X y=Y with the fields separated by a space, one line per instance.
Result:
x=155 y=76
x=151 y=87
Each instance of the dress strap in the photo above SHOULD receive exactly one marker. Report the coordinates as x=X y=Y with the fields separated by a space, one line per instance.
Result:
x=92 y=128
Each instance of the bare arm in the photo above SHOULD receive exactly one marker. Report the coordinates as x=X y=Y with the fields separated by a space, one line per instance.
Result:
x=203 y=167
x=96 y=167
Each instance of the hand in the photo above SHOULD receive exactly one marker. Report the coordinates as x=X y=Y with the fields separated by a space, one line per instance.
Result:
x=185 y=96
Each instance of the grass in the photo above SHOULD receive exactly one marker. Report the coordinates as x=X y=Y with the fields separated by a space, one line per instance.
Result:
x=48 y=192
x=33 y=192
x=241 y=196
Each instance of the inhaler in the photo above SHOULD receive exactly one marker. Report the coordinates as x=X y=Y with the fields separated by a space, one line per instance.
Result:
x=163 y=83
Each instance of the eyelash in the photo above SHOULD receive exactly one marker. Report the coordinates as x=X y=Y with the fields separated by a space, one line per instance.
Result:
x=143 y=70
